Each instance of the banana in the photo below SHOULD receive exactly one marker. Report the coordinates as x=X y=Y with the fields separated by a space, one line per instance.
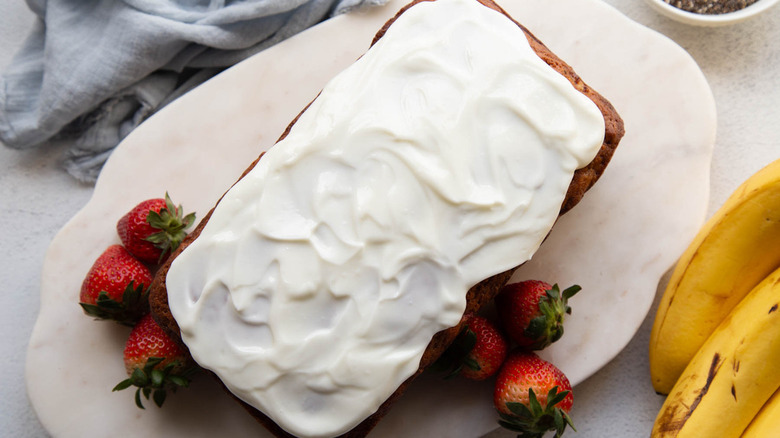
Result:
x=734 y=250
x=732 y=375
x=767 y=422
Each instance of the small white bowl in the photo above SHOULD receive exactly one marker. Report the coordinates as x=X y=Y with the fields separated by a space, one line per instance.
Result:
x=711 y=19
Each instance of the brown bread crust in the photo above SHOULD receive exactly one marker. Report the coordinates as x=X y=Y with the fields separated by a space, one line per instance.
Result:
x=478 y=295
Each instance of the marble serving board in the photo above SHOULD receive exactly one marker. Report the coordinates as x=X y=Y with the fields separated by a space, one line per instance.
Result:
x=616 y=244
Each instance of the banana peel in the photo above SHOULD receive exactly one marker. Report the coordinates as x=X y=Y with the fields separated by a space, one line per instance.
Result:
x=734 y=250
x=766 y=424
x=732 y=375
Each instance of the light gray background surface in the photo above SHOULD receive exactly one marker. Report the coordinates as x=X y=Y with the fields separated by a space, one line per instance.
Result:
x=741 y=62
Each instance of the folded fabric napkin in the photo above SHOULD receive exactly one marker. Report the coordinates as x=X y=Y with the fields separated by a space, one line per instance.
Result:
x=92 y=70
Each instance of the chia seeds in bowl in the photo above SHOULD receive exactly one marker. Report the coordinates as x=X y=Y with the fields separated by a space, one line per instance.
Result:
x=711 y=12
x=711 y=7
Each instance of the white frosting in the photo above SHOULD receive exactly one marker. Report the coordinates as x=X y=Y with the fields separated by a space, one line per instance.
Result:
x=440 y=158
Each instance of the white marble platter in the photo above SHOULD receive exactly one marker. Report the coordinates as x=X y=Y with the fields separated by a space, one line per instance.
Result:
x=616 y=244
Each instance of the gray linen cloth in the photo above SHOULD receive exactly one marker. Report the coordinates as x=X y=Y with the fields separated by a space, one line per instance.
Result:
x=92 y=70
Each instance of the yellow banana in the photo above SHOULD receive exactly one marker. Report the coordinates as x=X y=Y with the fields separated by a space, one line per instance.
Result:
x=733 y=251
x=767 y=422
x=732 y=375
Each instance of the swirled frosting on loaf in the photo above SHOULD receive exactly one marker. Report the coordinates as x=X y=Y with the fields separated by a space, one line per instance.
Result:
x=438 y=159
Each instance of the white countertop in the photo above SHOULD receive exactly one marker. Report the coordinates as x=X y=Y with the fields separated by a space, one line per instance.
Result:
x=741 y=63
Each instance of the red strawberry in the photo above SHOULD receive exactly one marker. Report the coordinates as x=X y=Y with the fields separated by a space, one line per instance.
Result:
x=154 y=362
x=153 y=229
x=478 y=351
x=489 y=350
x=116 y=287
x=532 y=396
x=532 y=312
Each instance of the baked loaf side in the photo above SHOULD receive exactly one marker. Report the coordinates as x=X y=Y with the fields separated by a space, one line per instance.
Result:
x=478 y=295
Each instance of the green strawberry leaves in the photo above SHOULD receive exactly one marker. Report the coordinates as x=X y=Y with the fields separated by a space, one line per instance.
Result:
x=548 y=326
x=155 y=382
x=134 y=305
x=534 y=420
x=455 y=357
x=172 y=225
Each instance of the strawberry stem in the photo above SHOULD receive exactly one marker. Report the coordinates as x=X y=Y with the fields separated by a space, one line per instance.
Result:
x=548 y=326
x=172 y=225
x=455 y=357
x=134 y=305
x=534 y=420
x=155 y=382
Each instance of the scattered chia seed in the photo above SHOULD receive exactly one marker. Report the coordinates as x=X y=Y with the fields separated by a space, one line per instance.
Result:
x=710 y=7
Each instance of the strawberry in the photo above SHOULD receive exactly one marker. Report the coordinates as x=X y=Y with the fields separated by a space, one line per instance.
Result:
x=154 y=362
x=153 y=229
x=489 y=350
x=116 y=287
x=532 y=396
x=532 y=312
x=478 y=351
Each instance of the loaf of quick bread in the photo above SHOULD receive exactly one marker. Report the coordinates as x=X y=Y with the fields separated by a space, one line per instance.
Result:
x=340 y=264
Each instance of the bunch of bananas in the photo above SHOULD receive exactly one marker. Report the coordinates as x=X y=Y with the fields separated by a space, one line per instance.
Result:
x=715 y=343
